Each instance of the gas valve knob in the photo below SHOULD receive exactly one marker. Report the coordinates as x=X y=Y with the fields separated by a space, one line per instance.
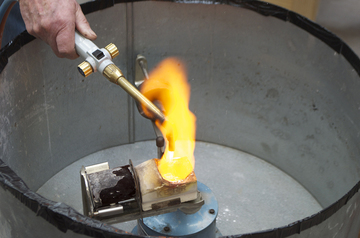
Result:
x=112 y=49
x=85 y=69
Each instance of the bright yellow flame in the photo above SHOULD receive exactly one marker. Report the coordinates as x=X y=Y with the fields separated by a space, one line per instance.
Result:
x=168 y=85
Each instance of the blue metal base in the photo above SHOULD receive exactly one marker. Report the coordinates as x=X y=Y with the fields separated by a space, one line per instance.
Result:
x=201 y=224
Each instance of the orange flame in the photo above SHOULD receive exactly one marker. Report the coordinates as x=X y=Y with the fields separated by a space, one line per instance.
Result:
x=168 y=85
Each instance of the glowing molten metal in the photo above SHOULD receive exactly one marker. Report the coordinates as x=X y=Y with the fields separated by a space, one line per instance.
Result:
x=168 y=85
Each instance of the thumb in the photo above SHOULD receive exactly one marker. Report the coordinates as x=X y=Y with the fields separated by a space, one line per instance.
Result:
x=82 y=25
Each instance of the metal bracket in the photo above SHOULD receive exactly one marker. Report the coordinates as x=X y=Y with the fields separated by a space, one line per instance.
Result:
x=141 y=74
x=131 y=208
x=88 y=203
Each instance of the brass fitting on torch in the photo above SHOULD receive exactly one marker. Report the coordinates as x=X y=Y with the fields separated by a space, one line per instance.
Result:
x=114 y=75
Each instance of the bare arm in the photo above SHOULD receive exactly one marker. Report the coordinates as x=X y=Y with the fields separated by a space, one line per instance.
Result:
x=54 y=21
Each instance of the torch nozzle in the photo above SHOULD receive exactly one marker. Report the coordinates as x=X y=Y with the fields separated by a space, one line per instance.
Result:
x=114 y=74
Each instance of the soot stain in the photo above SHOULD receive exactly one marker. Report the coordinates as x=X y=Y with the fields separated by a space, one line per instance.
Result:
x=123 y=190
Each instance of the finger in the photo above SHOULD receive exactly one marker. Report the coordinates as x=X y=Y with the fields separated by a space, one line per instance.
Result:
x=82 y=25
x=65 y=42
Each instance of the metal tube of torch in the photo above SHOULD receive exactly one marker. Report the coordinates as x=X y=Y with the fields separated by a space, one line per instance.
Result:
x=114 y=74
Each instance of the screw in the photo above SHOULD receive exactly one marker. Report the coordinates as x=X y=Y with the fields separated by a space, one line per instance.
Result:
x=160 y=141
x=166 y=229
x=212 y=211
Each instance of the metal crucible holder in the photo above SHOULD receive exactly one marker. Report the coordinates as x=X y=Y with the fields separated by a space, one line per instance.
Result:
x=127 y=193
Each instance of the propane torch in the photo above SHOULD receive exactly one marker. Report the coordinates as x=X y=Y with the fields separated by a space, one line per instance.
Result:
x=100 y=60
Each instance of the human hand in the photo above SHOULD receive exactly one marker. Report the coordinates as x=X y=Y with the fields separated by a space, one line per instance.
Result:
x=54 y=21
